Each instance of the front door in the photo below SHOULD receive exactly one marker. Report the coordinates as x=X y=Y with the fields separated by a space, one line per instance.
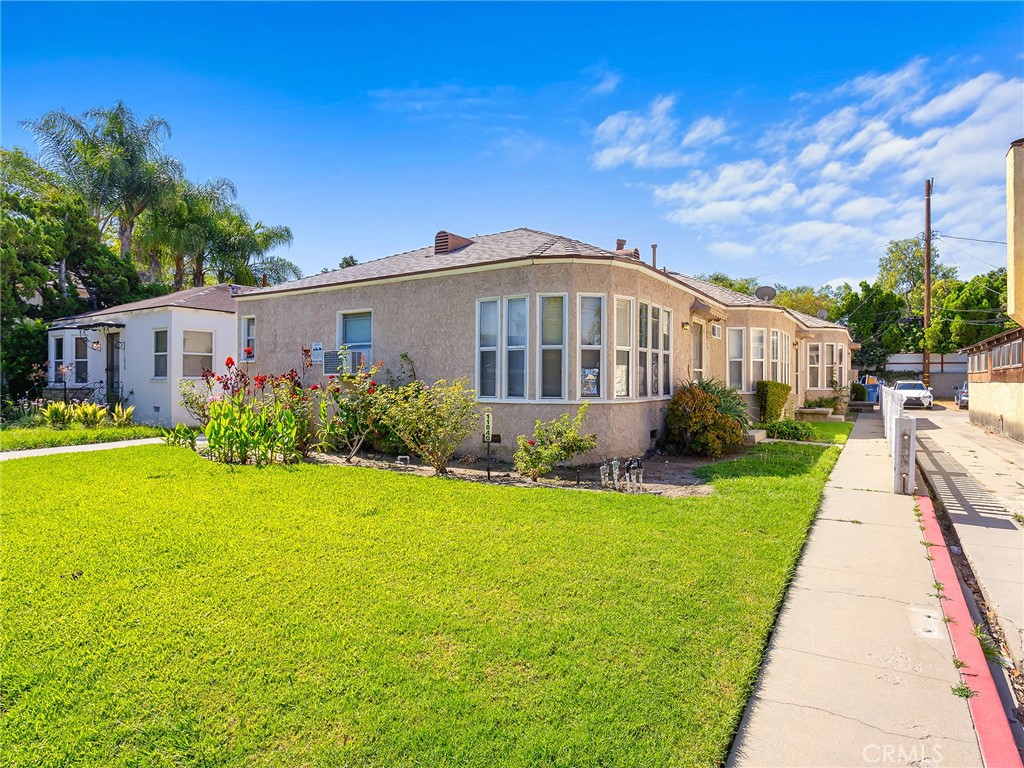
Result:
x=113 y=368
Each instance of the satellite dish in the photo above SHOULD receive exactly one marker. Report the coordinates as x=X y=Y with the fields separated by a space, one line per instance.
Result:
x=765 y=293
x=822 y=314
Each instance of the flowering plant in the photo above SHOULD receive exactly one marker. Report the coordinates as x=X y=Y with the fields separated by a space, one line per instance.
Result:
x=348 y=408
x=552 y=442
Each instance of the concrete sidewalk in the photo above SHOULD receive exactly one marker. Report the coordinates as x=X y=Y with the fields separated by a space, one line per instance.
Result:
x=978 y=479
x=860 y=668
x=8 y=455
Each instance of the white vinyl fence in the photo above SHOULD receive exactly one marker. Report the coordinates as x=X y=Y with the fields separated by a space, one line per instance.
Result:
x=901 y=437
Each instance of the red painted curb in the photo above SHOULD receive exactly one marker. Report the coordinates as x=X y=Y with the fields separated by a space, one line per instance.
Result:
x=998 y=748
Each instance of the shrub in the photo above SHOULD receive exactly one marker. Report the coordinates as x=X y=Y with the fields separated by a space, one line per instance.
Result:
x=553 y=441
x=858 y=392
x=828 y=401
x=239 y=431
x=349 y=410
x=729 y=401
x=788 y=429
x=695 y=422
x=182 y=436
x=772 y=397
x=121 y=416
x=90 y=415
x=430 y=420
x=58 y=415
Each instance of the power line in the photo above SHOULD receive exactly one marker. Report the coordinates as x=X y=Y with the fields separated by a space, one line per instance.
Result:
x=965 y=253
x=974 y=239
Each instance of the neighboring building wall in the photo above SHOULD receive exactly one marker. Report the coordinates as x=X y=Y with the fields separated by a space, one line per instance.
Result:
x=1015 y=230
x=999 y=406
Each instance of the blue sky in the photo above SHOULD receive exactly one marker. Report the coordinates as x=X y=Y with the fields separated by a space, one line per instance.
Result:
x=786 y=141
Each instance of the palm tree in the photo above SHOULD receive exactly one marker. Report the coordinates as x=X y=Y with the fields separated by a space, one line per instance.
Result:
x=112 y=159
x=243 y=256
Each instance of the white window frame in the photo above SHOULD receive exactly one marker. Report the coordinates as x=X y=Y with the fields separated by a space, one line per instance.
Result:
x=786 y=357
x=829 y=347
x=166 y=354
x=630 y=348
x=814 y=372
x=643 y=349
x=496 y=300
x=654 y=352
x=763 y=360
x=248 y=341
x=667 y=385
x=841 y=364
x=541 y=347
x=694 y=370
x=57 y=361
x=84 y=379
x=506 y=347
x=339 y=333
x=774 y=355
x=729 y=359
x=716 y=330
x=601 y=348
x=213 y=350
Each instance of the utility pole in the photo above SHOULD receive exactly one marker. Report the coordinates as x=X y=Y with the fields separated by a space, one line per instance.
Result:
x=926 y=355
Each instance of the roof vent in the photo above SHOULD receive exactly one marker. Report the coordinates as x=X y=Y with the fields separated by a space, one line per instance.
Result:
x=446 y=242
x=629 y=253
x=620 y=244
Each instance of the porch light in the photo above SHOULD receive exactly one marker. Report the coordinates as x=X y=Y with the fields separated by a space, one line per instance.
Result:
x=685 y=325
x=95 y=345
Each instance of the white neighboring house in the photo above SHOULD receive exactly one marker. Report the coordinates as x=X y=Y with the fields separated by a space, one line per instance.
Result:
x=142 y=350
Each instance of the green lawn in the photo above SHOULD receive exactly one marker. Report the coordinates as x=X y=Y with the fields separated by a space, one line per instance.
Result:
x=162 y=610
x=837 y=432
x=23 y=438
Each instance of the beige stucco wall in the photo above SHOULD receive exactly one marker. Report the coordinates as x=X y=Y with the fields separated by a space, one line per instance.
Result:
x=999 y=406
x=433 y=319
x=1015 y=231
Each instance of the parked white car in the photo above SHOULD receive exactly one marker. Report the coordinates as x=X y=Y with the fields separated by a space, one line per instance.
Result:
x=915 y=394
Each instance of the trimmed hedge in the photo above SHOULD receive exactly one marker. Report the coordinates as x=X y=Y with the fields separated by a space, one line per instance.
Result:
x=788 y=429
x=771 y=399
x=858 y=392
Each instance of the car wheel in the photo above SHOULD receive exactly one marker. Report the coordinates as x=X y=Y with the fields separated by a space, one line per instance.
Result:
x=929 y=406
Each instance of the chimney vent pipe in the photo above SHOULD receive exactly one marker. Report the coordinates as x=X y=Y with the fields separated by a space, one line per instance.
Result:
x=620 y=245
x=654 y=255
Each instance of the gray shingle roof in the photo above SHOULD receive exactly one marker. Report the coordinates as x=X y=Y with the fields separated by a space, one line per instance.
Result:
x=485 y=249
x=215 y=298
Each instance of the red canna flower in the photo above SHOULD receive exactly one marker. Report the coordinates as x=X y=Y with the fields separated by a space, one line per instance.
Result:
x=230 y=362
x=531 y=442
x=248 y=351
x=315 y=386
x=218 y=378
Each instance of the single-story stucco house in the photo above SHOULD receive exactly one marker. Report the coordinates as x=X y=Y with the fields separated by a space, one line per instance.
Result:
x=141 y=351
x=539 y=323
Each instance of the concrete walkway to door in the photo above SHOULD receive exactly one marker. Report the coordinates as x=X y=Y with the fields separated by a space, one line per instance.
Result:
x=859 y=670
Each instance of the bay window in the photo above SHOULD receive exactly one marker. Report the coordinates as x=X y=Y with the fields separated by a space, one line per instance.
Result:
x=756 y=355
x=623 y=347
x=591 y=317
x=814 y=366
x=774 y=358
x=830 y=366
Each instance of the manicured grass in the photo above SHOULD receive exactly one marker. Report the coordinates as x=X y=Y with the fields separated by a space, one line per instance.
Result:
x=23 y=438
x=159 y=609
x=837 y=432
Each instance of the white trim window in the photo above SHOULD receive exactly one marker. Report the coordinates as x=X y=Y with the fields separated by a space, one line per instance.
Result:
x=623 y=347
x=643 y=344
x=58 y=359
x=774 y=356
x=736 y=343
x=786 y=355
x=517 y=334
x=697 y=330
x=81 y=360
x=757 y=350
x=591 y=345
x=248 y=339
x=716 y=330
x=666 y=352
x=488 y=329
x=552 y=320
x=830 y=366
x=655 y=377
x=841 y=364
x=814 y=366
x=355 y=332
x=160 y=353
x=196 y=353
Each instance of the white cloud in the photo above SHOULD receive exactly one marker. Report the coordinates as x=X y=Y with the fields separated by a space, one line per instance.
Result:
x=653 y=139
x=842 y=173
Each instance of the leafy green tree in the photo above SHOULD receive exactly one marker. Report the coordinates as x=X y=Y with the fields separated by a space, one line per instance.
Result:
x=745 y=285
x=114 y=160
x=901 y=271
x=875 y=318
x=23 y=357
x=805 y=299
x=970 y=312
